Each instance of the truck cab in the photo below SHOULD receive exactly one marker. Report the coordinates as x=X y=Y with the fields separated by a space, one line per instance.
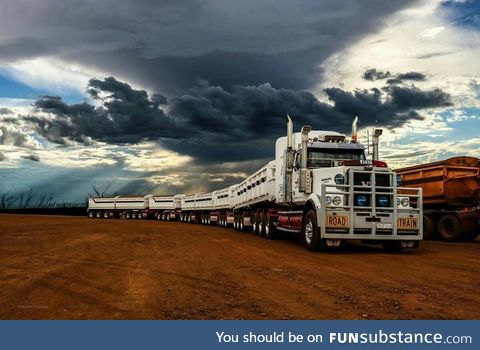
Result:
x=337 y=194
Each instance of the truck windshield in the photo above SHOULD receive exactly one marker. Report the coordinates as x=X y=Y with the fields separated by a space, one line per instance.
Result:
x=318 y=157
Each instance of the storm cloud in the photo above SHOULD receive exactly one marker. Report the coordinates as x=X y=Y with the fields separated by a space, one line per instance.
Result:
x=32 y=157
x=373 y=74
x=211 y=123
x=167 y=46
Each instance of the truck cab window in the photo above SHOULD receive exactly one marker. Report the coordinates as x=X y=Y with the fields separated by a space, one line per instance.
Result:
x=320 y=158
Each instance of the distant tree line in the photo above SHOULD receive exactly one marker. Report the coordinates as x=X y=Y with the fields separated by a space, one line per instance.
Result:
x=34 y=199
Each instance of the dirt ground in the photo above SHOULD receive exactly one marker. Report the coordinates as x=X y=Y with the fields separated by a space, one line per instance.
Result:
x=80 y=268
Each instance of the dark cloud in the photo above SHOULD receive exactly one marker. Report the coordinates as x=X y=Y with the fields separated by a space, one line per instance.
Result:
x=373 y=74
x=434 y=54
x=414 y=98
x=412 y=76
x=168 y=45
x=394 y=81
x=214 y=124
x=32 y=157
x=4 y=111
x=126 y=115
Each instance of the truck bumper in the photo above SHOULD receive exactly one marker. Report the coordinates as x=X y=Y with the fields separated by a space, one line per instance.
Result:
x=341 y=224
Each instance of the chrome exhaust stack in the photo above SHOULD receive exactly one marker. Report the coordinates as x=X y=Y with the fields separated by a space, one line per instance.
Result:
x=289 y=132
x=375 y=140
x=289 y=156
x=354 y=130
x=304 y=178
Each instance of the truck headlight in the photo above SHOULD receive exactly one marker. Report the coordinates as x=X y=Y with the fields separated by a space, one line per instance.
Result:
x=399 y=180
x=405 y=202
x=361 y=200
x=339 y=179
x=328 y=200
x=383 y=201
x=336 y=200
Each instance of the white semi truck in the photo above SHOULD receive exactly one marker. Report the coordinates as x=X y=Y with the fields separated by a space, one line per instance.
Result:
x=320 y=186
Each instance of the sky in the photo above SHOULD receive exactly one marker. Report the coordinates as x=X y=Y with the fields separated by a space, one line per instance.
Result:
x=182 y=96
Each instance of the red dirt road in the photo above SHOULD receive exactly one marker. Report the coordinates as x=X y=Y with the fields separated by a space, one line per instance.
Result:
x=79 y=268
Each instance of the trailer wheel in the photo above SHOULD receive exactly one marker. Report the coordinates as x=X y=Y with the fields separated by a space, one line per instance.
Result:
x=269 y=229
x=428 y=227
x=310 y=232
x=128 y=215
x=140 y=215
x=256 y=223
x=236 y=223
x=449 y=228
x=91 y=214
x=105 y=215
x=98 y=214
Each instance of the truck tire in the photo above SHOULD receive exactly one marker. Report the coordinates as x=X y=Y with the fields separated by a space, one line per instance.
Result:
x=128 y=215
x=105 y=215
x=256 y=223
x=235 y=222
x=91 y=214
x=134 y=215
x=241 y=227
x=98 y=214
x=428 y=227
x=269 y=229
x=449 y=228
x=310 y=232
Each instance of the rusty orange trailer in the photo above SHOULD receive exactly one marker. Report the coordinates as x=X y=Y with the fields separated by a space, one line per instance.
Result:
x=451 y=196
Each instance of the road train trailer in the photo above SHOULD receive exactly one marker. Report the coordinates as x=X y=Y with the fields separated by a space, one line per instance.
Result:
x=451 y=197
x=320 y=186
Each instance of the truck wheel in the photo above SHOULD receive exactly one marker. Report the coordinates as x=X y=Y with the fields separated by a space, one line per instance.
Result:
x=449 y=228
x=240 y=225
x=256 y=223
x=105 y=215
x=134 y=215
x=91 y=214
x=269 y=229
x=128 y=215
x=235 y=222
x=98 y=214
x=140 y=216
x=310 y=232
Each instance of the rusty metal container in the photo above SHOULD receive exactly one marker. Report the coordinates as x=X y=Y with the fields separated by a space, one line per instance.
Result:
x=453 y=183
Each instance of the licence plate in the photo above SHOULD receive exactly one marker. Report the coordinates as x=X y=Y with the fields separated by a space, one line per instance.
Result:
x=407 y=223
x=337 y=221
x=384 y=226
